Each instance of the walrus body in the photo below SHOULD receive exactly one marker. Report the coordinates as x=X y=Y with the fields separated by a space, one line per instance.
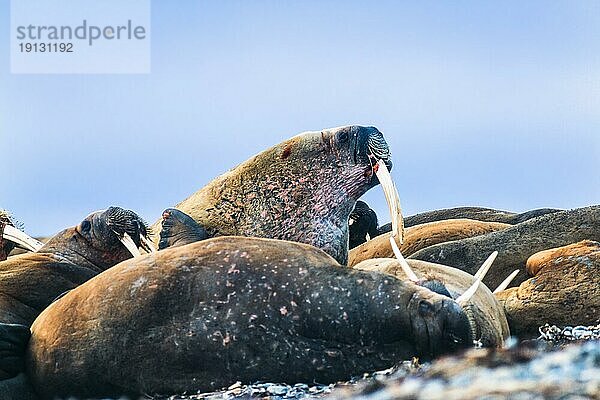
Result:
x=516 y=243
x=476 y=213
x=564 y=290
x=301 y=190
x=488 y=319
x=205 y=315
x=421 y=236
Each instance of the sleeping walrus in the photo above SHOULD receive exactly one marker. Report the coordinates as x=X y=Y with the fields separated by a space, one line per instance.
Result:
x=205 y=315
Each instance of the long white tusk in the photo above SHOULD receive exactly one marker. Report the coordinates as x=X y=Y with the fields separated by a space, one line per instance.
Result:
x=403 y=264
x=464 y=298
x=507 y=281
x=21 y=238
x=130 y=244
x=147 y=244
x=392 y=198
x=485 y=267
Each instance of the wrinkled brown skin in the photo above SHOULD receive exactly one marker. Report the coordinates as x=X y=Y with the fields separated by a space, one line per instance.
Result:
x=564 y=291
x=476 y=213
x=205 y=315
x=491 y=323
x=301 y=190
x=420 y=236
x=516 y=244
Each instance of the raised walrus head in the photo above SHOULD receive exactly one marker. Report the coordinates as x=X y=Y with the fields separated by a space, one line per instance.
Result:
x=11 y=237
x=103 y=239
x=301 y=190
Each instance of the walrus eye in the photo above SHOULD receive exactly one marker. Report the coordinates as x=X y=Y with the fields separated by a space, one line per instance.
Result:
x=85 y=226
x=343 y=138
x=425 y=308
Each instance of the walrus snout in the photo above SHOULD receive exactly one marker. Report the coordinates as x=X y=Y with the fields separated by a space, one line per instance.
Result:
x=115 y=223
x=123 y=221
x=441 y=326
x=371 y=145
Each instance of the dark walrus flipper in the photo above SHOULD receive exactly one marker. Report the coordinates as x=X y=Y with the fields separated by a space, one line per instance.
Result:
x=13 y=341
x=179 y=229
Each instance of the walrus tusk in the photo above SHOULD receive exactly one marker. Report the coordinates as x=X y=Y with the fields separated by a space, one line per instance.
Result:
x=485 y=267
x=21 y=238
x=506 y=282
x=403 y=264
x=130 y=244
x=392 y=198
x=147 y=244
x=464 y=298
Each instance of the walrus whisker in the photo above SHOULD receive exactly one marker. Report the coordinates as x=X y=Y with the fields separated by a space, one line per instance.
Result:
x=403 y=264
x=392 y=198
x=506 y=282
x=464 y=298
x=129 y=243
x=21 y=238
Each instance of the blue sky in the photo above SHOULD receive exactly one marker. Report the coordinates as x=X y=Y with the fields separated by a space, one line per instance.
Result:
x=483 y=103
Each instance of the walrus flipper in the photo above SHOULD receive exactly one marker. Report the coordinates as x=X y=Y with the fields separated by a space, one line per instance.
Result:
x=178 y=229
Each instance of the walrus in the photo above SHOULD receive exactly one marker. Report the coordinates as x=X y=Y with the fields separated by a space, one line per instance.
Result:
x=205 y=315
x=30 y=282
x=487 y=318
x=363 y=224
x=516 y=243
x=11 y=237
x=476 y=213
x=302 y=190
x=418 y=237
x=564 y=290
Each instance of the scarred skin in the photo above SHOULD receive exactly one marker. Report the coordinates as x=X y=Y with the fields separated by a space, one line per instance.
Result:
x=301 y=190
x=233 y=308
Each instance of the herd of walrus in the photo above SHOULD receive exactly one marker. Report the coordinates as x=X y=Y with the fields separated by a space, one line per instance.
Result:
x=275 y=271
